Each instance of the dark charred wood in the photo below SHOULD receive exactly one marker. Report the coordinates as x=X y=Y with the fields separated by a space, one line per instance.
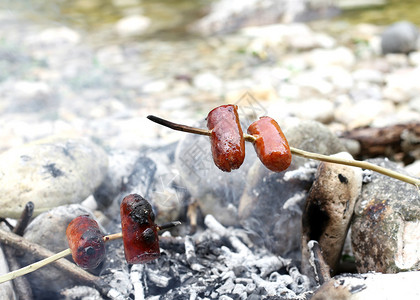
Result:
x=390 y=141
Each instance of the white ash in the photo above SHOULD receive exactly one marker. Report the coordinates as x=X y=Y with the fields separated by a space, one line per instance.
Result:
x=293 y=202
x=218 y=263
x=304 y=173
x=367 y=176
x=81 y=292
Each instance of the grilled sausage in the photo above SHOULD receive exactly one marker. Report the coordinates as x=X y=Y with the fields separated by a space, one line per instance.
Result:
x=139 y=231
x=227 y=141
x=271 y=145
x=86 y=242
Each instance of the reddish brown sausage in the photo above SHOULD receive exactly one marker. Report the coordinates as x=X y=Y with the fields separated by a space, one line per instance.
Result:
x=271 y=145
x=86 y=242
x=227 y=141
x=139 y=231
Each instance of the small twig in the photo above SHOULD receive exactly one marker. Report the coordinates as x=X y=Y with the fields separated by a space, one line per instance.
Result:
x=24 y=218
x=357 y=163
x=178 y=127
x=112 y=237
x=168 y=225
x=4 y=220
x=22 y=287
x=35 y=266
x=320 y=267
x=299 y=152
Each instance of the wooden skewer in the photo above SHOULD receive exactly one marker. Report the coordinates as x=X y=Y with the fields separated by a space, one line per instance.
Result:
x=299 y=152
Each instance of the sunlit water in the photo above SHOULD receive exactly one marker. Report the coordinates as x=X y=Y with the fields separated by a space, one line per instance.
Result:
x=168 y=18
x=393 y=11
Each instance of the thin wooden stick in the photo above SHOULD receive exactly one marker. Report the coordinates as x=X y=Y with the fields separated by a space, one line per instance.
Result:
x=168 y=225
x=34 y=266
x=178 y=127
x=299 y=152
x=112 y=237
x=357 y=163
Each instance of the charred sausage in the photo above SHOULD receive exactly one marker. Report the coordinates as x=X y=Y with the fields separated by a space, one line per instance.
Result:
x=139 y=231
x=86 y=242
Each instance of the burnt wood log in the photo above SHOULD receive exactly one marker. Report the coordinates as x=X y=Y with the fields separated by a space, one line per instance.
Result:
x=401 y=141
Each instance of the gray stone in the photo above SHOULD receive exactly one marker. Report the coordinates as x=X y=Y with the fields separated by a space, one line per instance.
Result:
x=120 y=166
x=321 y=110
x=54 y=36
x=400 y=37
x=329 y=209
x=49 y=172
x=369 y=75
x=312 y=136
x=364 y=90
x=402 y=86
x=340 y=56
x=132 y=25
x=208 y=82
x=403 y=285
x=414 y=168
x=414 y=58
x=311 y=80
x=385 y=228
x=363 y=112
x=414 y=104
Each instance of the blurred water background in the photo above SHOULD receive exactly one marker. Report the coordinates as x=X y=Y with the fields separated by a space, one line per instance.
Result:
x=169 y=18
